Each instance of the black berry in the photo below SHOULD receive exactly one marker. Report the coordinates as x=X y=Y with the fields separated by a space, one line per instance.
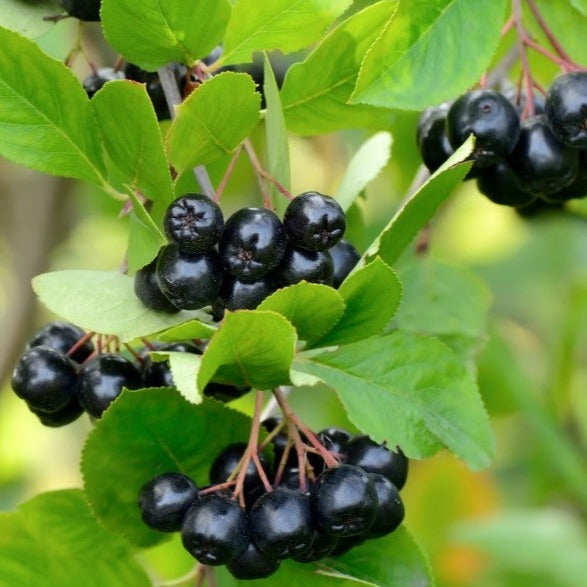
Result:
x=301 y=264
x=431 y=138
x=88 y=10
x=542 y=164
x=65 y=415
x=390 y=508
x=519 y=100
x=45 y=378
x=148 y=291
x=566 y=108
x=240 y=295
x=194 y=222
x=215 y=530
x=62 y=337
x=96 y=81
x=224 y=392
x=225 y=463
x=500 y=185
x=281 y=523
x=314 y=221
x=491 y=118
x=158 y=373
x=344 y=258
x=101 y=379
x=363 y=452
x=165 y=500
x=189 y=280
x=251 y=563
x=344 y=501
x=252 y=244
x=322 y=545
x=577 y=189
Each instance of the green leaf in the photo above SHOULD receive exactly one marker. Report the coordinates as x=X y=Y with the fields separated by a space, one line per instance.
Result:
x=412 y=66
x=187 y=331
x=104 y=302
x=26 y=18
x=152 y=33
x=580 y=5
x=411 y=391
x=213 y=120
x=262 y=26
x=430 y=303
x=276 y=137
x=313 y=309
x=54 y=540
x=144 y=434
x=316 y=92
x=252 y=348
x=184 y=368
x=364 y=167
x=132 y=139
x=144 y=238
x=366 y=314
x=420 y=207
x=46 y=121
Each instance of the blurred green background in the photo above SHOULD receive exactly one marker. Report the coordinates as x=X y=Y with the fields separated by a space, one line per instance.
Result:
x=520 y=523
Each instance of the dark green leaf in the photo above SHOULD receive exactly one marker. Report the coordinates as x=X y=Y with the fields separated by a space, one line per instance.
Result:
x=103 y=301
x=213 y=120
x=253 y=348
x=276 y=137
x=420 y=207
x=144 y=434
x=46 y=121
x=313 y=309
x=261 y=26
x=152 y=33
x=372 y=295
x=54 y=540
x=315 y=92
x=412 y=65
x=411 y=391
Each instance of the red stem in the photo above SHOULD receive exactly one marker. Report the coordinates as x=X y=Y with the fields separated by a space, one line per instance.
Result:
x=527 y=76
x=80 y=343
x=294 y=433
x=282 y=462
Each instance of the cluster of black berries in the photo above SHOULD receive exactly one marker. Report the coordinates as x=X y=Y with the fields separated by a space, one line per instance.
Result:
x=237 y=264
x=61 y=375
x=356 y=500
x=543 y=158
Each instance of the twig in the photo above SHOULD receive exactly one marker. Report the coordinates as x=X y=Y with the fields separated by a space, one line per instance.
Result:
x=527 y=76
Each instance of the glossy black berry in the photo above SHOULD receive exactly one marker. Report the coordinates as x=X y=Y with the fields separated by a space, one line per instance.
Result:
x=577 y=189
x=224 y=392
x=240 y=295
x=314 y=221
x=491 y=118
x=344 y=258
x=62 y=337
x=158 y=373
x=322 y=546
x=390 y=508
x=225 y=463
x=252 y=244
x=431 y=138
x=500 y=185
x=519 y=99
x=165 y=500
x=194 y=222
x=363 y=452
x=251 y=563
x=566 y=108
x=281 y=523
x=45 y=378
x=301 y=264
x=189 y=280
x=334 y=440
x=148 y=291
x=542 y=164
x=215 y=530
x=344 y=501
x=65 y=415
x=88 y=10
x=101 y=379
x=96 y=81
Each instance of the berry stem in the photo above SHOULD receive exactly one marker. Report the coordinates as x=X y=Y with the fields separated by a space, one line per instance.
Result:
x=134 y=353
x=257 y=167
x=218 y=487
x=272 y=434
x=148 y=344
x=527 y=76
x=80 y=343
x=283 y=462
x=290 y=415
x=210 y=576
x=227 y=174
x=299 y=445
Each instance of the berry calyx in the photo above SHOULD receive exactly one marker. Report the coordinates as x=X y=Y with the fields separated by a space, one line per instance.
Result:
x=45 y=378
x=252 y=244
x=189 y=280
x=194 y=222
x=101 y=380
x=215 y=530
x=281 y=523
x=314 y=221
x=146 y=288
x=62 y=337
x=165 y=500
x=566 y=108
x=344 y=501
